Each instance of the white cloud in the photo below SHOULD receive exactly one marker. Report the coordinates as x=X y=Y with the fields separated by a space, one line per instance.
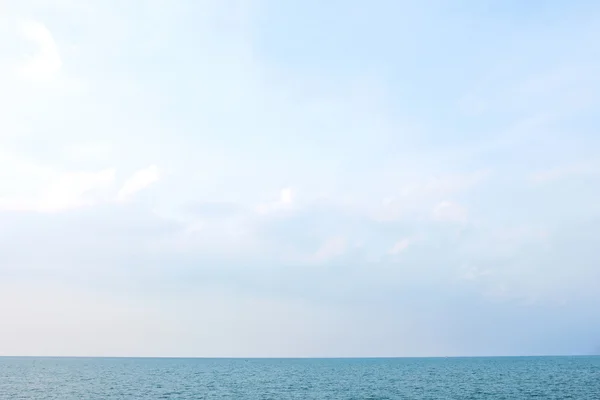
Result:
x=472 y=273
x=139 y=180
x=333 y=247
x=76 y=189
x=416 y=198
x=88 y=151
x=284 y=202
x=359 y=152
x=580 y=168
x=221 y=237
x=46 y=63
x=400 y=246
x=403 y=244
x=449 y=211
x=285 y=196
x=62 y=190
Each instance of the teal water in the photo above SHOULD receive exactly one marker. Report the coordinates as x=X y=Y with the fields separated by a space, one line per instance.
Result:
x=441 y=378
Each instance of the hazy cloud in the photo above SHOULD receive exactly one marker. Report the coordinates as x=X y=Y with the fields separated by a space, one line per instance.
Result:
x=197 y=175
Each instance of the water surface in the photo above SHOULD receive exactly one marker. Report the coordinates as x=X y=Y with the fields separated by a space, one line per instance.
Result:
x=277 y=379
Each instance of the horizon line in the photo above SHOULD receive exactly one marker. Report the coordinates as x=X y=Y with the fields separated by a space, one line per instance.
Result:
x=299 y=357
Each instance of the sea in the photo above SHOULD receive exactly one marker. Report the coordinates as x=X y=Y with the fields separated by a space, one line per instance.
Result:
x=276 y=379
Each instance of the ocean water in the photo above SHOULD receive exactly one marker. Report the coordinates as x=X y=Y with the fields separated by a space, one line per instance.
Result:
x=410 y=378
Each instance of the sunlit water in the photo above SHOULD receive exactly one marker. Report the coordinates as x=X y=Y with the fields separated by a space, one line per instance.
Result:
x=443 y=378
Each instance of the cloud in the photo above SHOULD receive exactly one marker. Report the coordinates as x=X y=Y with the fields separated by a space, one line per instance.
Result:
x=580 y=168
x=286 y=196
x=63 y=190
x=413 y=200
x=138 y=181
x=400 y=246
x=215 y=209
x=285 y=202
x=333 y=247
x=299 y=185
x=449 y=211
x=46 y=63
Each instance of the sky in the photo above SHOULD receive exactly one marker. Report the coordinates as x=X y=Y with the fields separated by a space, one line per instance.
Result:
x=266 y=178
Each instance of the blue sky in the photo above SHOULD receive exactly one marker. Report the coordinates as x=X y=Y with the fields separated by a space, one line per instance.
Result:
x=281 y=178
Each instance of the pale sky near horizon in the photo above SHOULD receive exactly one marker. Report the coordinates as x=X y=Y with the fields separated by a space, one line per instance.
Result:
x=299 y=178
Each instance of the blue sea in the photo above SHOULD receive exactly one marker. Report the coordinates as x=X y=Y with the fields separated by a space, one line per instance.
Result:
x=276 y=379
